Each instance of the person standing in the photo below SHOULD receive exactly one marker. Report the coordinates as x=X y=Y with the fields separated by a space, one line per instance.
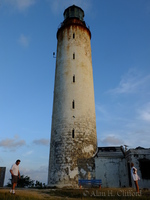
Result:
x=15 y=173
x=135 y=176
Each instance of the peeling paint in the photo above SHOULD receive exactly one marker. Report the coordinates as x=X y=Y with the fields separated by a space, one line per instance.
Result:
x=73 y=173
x=87 y=149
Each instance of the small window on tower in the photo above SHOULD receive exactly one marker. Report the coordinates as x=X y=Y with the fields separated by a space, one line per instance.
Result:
x=73 y=78
x=73 y=104
x=73 y=35
x=73 y=55
x=73 y=133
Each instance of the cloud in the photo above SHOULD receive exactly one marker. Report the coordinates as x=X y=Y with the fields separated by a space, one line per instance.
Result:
x=102 y=112
x=23 y=40
x=39 y=174
x=112 y=140
x=57 y=6
x=28 y=153
x=42 y=141
x=12 y=143
x=144 y=113
x=132 y=82
x=20 y=5
x=137 y=137
x=101 y=109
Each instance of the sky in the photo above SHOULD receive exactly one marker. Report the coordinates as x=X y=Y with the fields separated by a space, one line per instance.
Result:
x=121 y=71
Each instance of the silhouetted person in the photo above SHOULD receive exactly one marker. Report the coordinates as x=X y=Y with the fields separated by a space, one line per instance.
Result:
x=14 y=173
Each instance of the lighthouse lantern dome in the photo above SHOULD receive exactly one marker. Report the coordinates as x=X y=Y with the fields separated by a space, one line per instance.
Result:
x=74 y=12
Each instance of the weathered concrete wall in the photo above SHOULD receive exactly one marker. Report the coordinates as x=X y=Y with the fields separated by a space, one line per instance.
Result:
x=112 y=172
x=2 y=175
x=111 y=167
x=73 y=133
x=137 y=156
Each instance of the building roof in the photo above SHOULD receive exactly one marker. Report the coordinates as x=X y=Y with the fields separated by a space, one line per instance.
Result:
x=111 y=151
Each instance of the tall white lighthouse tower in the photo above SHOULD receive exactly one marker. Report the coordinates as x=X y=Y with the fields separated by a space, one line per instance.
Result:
x=73 y=132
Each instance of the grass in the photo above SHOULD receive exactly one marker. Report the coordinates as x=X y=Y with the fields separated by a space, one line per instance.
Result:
x=22 y=194
x=70 y=194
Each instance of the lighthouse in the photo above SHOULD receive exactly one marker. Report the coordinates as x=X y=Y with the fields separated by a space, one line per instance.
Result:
x=73 y=128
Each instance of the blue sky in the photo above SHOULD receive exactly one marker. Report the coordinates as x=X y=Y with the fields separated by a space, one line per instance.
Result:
x=121 y=69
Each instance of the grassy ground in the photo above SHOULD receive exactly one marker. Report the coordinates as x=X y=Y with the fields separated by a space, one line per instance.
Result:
x=70 y=194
